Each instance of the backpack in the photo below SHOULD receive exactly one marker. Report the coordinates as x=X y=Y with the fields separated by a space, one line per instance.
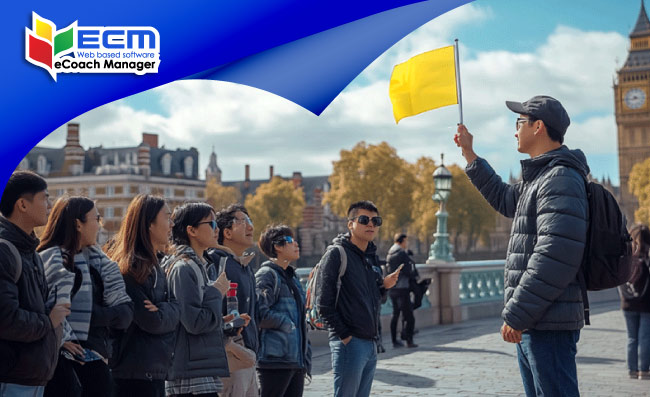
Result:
x=607 y=260
x=314 y=283
x=18 y=268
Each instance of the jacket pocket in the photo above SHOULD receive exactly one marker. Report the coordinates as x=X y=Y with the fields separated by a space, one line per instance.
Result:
x=201 y=347
x=276 y=343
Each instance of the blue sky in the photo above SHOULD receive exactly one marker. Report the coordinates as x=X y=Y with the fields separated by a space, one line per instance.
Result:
x=510 y=50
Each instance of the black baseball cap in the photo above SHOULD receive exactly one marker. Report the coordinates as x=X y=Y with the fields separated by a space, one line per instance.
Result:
x=544 y=108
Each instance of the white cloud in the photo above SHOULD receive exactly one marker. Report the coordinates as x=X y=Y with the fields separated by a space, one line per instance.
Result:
x=250 y=126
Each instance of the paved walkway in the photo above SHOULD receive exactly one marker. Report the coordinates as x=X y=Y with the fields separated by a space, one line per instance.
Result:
x=471 y=359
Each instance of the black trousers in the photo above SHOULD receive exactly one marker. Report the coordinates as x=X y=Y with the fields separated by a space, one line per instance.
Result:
x=96 y=379
x=281 y=382
x=139 y=388
x=401 y=300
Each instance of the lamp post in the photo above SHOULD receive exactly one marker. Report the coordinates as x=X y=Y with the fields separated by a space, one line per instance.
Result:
x=441 y=250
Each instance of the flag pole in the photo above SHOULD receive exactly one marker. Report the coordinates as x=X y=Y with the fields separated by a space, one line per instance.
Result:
x=458 y=89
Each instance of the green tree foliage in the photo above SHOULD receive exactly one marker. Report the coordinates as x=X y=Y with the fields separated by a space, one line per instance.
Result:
x=423 y=208
x=470 y=215
x=275 y=202
x=219 y=196
x=376 y=173
x=639 y=185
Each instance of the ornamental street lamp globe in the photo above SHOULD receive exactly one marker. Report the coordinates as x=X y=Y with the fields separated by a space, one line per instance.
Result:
x=441 y=250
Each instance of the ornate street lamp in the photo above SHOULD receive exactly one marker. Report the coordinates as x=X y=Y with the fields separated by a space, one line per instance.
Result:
x=441 y=250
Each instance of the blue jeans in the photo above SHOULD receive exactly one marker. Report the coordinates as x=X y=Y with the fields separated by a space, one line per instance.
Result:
x=547 y=363
x=14 y=390
x=638 y=340
x=354 y=367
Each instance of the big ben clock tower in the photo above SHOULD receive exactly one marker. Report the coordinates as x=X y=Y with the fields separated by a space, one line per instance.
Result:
x=631 y=98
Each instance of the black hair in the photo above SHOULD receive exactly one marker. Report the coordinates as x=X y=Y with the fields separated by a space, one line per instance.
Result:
x=552 y=133
x=361 y=205
x=20 y=184
x=188 y=214
x=399 y=237
x=226 y=217
x=271 y=236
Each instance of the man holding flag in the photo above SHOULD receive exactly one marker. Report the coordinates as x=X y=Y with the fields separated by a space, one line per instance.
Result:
x=543 y=311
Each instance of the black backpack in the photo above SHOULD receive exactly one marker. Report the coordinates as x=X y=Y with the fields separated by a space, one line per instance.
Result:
x=607 y=261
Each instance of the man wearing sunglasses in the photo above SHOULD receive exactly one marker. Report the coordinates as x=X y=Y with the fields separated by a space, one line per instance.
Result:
x=235 y=237
x=351 y=312
x=543 y=311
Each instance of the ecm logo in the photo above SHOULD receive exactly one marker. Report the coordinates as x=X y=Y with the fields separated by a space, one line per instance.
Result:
x=92 y=49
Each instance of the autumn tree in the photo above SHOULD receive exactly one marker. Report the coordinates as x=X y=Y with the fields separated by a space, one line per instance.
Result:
x=378 y=174
x=639 y=185
x=470 y=215
x=219 y=196
x=423 y=208
x=277 y=201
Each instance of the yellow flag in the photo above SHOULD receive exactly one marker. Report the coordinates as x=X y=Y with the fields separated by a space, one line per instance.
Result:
x=424 y=82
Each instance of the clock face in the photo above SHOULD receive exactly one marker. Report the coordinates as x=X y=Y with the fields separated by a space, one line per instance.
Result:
x=634 y=98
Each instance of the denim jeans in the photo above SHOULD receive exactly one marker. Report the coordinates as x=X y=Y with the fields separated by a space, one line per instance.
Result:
x=14 y=390
x=638 y=340
x=353 y=366
x=547 y=363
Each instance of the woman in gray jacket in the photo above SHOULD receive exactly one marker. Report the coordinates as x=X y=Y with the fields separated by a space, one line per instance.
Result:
x=199 y=354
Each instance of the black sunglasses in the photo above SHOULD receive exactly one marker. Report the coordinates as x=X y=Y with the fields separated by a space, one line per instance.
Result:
x=365 y=219
x=213 y=224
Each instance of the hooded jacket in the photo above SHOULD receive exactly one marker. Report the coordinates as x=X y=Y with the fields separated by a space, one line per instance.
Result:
x=359 y=300
x=243 y=275
x=28 y=343
x=199 y=350
x=283 y=329
x=547 y=240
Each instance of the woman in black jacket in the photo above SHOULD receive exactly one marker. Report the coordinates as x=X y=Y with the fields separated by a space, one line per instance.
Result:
x=635 y=302
x=284 y=357
x=144 y=352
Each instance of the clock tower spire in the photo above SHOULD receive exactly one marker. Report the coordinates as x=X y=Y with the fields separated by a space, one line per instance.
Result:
x=631 y=90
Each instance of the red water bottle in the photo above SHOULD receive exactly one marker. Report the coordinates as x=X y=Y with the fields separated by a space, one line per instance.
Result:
x=232 y=305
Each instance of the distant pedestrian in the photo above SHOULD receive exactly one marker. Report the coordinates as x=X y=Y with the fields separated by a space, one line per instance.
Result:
x=400 y=295
x=635 y=302
x=28 y=338
x=285 y=352
x=543 y=311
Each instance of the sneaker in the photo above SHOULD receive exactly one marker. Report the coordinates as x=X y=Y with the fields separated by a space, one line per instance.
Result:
x=634 y=374
x=645 y=375
x=411 y=344
x=397 y=344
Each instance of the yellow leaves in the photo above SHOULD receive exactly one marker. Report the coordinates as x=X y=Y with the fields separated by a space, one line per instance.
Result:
x=378 y=174
x=403 y=191
x=639 y=185
x=219 y=196
x=275 y=202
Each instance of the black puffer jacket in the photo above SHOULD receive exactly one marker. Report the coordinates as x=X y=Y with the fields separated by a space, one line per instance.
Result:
x=356 y=313
x=146 y=349
x=28 y=343
x=547 y=240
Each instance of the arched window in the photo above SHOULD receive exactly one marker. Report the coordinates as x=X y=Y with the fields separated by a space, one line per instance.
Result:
x=167 y=164
x=41 y=165
x=188 y=164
